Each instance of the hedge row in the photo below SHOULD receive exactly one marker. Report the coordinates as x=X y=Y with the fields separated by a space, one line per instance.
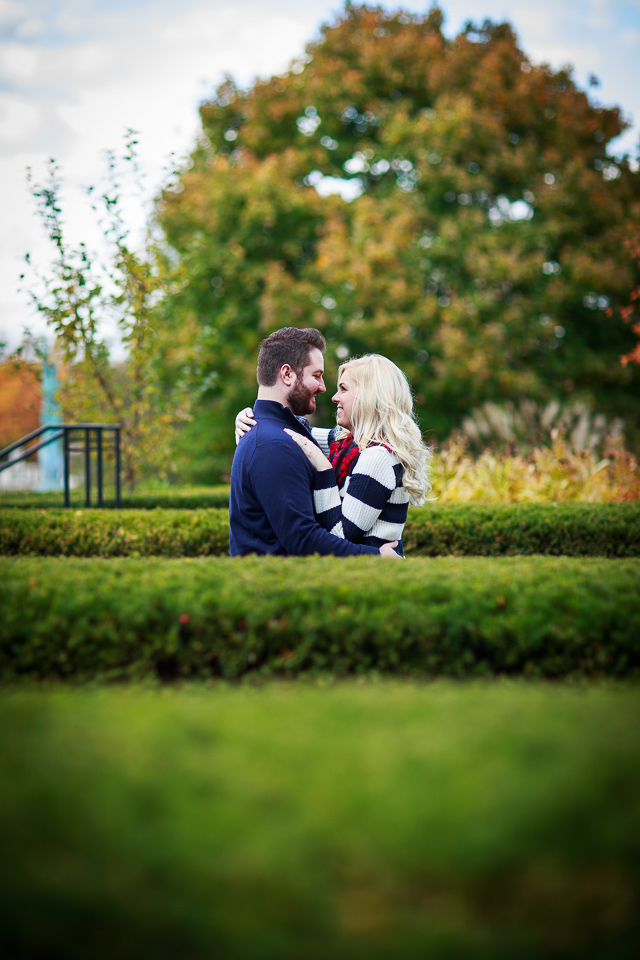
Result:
x=294 y=823
x=493 y=530
x=115 y=533
x=230 y=618
x=173 y=498
x=580 y=530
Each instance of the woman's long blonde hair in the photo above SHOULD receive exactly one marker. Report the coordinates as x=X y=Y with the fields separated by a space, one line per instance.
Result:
x=383 y=413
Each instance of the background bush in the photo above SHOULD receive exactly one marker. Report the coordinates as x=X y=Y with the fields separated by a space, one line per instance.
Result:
x=604 y=530
x=286 y=616
x=170 y=498
x=300 y=824
x=555 y=471
x=115 y=533
x=572 y=529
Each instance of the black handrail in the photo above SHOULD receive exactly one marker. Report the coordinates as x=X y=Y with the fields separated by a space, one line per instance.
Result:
x=65 y=430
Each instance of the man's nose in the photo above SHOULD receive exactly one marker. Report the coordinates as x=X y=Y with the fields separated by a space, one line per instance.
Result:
x=321 y=386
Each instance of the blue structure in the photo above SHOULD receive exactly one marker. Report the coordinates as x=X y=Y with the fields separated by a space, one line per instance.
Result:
x=50 y=457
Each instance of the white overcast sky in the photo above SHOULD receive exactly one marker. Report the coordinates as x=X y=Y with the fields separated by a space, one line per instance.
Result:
x=74 y=74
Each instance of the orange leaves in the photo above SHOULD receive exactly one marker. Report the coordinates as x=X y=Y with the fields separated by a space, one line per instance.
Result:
x=634 y=355
x=630 y=312
x=20 y=398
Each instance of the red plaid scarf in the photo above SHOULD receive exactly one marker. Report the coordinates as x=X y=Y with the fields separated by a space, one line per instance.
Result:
x=343 y=455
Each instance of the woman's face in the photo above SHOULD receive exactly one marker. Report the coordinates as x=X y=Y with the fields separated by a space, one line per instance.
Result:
x=344 y=397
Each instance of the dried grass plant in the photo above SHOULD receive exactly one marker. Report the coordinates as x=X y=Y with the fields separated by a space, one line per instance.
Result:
x=554 y=473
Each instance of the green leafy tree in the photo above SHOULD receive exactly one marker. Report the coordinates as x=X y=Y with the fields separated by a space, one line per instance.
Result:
x=482 y=250
x=126 y=290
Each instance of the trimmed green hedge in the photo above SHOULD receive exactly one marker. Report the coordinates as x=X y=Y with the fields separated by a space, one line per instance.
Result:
x=171 y=498
x=493 y=530
x=269 y=616
x=292 y=823
x=581 y=530
x=115 y=533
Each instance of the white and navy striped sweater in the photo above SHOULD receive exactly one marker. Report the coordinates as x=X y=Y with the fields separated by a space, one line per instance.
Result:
x=371 y=505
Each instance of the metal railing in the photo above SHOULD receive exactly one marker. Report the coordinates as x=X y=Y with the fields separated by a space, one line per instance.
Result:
x=76 y=438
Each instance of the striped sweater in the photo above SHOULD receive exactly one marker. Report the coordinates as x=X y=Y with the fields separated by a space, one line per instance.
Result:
x=371 y=505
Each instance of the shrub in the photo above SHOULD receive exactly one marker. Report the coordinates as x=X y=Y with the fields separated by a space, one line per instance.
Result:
x=555 y=474
x=572 y=529
x=170 y=498
x=269 y=616
x=606 y=530
x=527 y=426
x=299 y=824
x=546 y=474
x=115 y=533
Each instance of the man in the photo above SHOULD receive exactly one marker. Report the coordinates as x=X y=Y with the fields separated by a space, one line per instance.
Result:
x=271 y=503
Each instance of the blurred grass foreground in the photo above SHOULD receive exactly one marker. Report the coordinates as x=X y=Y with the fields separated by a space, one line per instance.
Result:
x=296 y=822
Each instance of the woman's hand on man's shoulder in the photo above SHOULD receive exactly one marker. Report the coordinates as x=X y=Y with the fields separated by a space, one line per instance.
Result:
x=244 y=422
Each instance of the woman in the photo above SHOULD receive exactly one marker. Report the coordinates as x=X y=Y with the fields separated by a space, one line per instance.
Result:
x=377 y=463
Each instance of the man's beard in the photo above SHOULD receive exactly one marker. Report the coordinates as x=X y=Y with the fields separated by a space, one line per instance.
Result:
x=302 y=401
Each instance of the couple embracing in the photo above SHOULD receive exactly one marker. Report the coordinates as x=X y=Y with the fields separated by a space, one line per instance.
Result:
x=298 y=490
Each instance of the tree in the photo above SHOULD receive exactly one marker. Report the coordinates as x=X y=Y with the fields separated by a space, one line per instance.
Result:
x=482 y=250
x=19 y=400
x=129 y=290
x=631 y=313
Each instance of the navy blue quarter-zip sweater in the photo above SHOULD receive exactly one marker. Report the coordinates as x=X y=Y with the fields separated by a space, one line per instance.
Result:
x=271 y=503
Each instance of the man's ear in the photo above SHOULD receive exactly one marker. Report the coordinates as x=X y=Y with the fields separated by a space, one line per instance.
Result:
x=287 y=375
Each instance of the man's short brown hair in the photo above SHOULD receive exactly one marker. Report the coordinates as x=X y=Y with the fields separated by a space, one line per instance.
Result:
x=288 y=345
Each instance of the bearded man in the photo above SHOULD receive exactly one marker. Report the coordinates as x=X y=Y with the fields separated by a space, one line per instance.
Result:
x=271 y=503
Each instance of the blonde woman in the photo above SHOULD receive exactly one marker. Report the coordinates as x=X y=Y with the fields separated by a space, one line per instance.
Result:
x=374 y=463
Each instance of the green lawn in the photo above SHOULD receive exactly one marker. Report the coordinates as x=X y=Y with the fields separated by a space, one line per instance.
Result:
x=292 y=821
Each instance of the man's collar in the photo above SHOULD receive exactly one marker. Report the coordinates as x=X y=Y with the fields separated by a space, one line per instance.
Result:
x=271 y=408
x=275 y=410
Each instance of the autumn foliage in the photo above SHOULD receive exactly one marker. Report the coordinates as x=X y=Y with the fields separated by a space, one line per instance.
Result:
x=631 y=313
x=19 y=401
x=481 y=249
